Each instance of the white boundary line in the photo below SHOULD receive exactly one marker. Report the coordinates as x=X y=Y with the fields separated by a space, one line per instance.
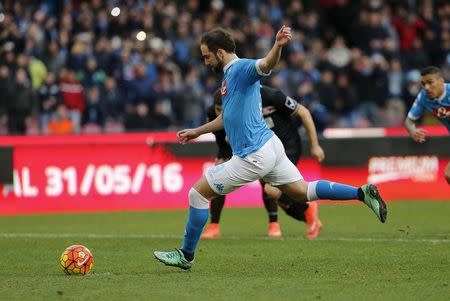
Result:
x=14 y=235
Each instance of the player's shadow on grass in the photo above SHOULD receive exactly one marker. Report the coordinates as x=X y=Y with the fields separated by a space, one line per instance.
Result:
x=169 y=271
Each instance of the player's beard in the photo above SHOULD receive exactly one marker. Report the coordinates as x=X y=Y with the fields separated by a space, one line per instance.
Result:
x=219 y=67
x=433 y=94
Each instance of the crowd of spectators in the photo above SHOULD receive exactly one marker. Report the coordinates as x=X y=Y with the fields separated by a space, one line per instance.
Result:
x=126 y=65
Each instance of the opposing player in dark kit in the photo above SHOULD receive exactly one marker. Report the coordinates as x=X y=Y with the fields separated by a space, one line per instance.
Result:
x=278 y=111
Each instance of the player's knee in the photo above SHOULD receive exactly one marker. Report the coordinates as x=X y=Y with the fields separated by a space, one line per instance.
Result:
x=272 y=192
x=311 y=191
x=296 y=210
x=285 y=201
x=267 y=197
x=303 y=190
x=196 y=200
x=297 y=191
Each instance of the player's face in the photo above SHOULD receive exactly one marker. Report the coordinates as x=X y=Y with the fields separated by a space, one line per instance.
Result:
x=218 y=109
x=433 y=85
x=211 y=59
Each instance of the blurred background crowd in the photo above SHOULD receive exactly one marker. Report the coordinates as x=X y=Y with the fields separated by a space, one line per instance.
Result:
x=134 y=65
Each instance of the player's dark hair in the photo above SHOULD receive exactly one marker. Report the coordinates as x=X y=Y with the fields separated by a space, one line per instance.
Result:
x=218 y=38
x=431 y=70
x=218 y=97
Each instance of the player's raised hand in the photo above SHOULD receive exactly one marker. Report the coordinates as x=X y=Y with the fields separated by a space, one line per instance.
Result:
x=418 y=135
x=284 y=36
x=185 y=135
x=318 y=153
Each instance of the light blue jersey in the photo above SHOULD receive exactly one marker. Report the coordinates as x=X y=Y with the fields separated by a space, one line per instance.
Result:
x=440 y=107
x=241 y=102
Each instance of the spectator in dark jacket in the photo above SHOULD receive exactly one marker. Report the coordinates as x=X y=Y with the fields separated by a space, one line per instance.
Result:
x=140 y=120
x=5 y=89
x=20 y=108
x=6 y=96
x=113 y=102
x=49 y=98
x=93 y=113
x=161 y=120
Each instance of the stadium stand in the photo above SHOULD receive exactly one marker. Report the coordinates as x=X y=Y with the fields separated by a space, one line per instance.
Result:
x=352 y=63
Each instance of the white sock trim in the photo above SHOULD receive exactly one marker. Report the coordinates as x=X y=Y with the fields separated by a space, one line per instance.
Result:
x=196 y=200
x=311 y=192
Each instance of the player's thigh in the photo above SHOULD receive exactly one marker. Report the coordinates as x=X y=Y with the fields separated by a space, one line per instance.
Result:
x=232 y=174
x=294 y=157
x=284 y=171
x=202 y=186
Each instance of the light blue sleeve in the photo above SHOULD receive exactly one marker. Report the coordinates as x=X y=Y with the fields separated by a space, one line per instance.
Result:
x=417 y=108
x=250 y=69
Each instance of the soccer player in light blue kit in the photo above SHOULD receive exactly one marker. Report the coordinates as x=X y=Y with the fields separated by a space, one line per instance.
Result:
x=257 y=152
x=435 y=98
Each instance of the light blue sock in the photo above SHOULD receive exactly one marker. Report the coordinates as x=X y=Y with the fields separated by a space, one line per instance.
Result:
x=331 y=191
x=197 y=219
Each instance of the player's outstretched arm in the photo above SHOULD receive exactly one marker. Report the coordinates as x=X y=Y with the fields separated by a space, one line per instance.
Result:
x=416 y=134
x=306 y=118
x=283 y=37
x=188 y=134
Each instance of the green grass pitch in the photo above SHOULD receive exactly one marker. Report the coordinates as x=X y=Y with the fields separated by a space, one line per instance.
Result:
x=355 y=257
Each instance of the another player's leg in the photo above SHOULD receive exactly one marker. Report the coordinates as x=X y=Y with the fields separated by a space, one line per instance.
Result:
x=292 y=208
x=274 y=229
x=301 y=211
x=197 y=218
x=213 y=229
x=313 y=222
x=447 y=173
x=297 y=188
x=216 y=206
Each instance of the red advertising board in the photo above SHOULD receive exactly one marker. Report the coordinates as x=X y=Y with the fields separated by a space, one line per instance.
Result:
x=398 y=178
x=137 y=172
x=104 y=173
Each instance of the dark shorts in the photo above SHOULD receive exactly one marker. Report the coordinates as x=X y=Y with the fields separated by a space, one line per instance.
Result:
x=293 y=155
x=222 y=154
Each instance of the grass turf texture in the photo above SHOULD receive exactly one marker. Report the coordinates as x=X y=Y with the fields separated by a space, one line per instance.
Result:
x=355 y=257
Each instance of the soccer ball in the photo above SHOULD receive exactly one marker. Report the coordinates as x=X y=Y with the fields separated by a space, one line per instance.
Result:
x=76 y=260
